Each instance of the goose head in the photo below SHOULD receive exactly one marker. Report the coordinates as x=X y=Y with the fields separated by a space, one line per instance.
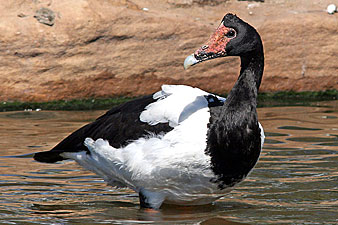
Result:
x=233 y=37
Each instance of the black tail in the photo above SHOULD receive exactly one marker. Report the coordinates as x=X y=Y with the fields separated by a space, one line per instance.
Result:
x=49 y=156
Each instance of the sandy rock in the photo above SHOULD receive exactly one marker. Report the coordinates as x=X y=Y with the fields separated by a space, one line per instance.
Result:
x=107 y=48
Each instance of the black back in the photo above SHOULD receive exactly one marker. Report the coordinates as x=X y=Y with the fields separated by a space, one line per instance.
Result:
x=119 y=126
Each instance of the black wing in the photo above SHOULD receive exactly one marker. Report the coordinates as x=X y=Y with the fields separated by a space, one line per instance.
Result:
x=119 y=126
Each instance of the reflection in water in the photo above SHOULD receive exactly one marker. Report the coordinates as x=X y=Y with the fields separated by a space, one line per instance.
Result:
x=295 y=181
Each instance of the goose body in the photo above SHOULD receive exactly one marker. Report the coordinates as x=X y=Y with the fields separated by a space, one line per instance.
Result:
x=181 y=145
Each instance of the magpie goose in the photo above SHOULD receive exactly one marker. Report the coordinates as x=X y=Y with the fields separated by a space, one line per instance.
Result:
x=180 y=145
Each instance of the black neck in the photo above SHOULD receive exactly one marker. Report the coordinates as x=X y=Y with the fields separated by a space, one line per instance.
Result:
x=233 y=140
x=253 y=64
x=240 y=105
x=247 y=85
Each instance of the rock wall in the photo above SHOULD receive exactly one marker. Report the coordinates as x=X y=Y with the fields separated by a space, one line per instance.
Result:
x=63 y=49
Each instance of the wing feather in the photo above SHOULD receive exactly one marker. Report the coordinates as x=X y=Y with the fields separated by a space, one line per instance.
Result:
x=174 y=104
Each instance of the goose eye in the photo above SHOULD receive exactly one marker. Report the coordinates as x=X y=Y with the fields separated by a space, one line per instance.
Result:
x=231 y=34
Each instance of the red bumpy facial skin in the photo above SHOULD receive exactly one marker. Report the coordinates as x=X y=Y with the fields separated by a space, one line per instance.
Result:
x=216 y=43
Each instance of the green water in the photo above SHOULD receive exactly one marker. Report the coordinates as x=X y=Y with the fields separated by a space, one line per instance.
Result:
x=294 y=182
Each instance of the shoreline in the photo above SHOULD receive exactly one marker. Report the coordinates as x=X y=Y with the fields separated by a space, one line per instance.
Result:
x=265 y=99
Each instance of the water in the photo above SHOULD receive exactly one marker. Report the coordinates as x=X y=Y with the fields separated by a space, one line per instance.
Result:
x=295 y=181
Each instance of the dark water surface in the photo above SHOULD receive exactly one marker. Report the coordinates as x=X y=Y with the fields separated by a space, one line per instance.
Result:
x=295 y=181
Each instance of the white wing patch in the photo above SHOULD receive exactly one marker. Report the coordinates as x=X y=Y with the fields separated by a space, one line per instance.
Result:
x=175 y=103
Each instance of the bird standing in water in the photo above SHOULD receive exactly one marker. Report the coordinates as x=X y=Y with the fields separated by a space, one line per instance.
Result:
x=180 y=145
